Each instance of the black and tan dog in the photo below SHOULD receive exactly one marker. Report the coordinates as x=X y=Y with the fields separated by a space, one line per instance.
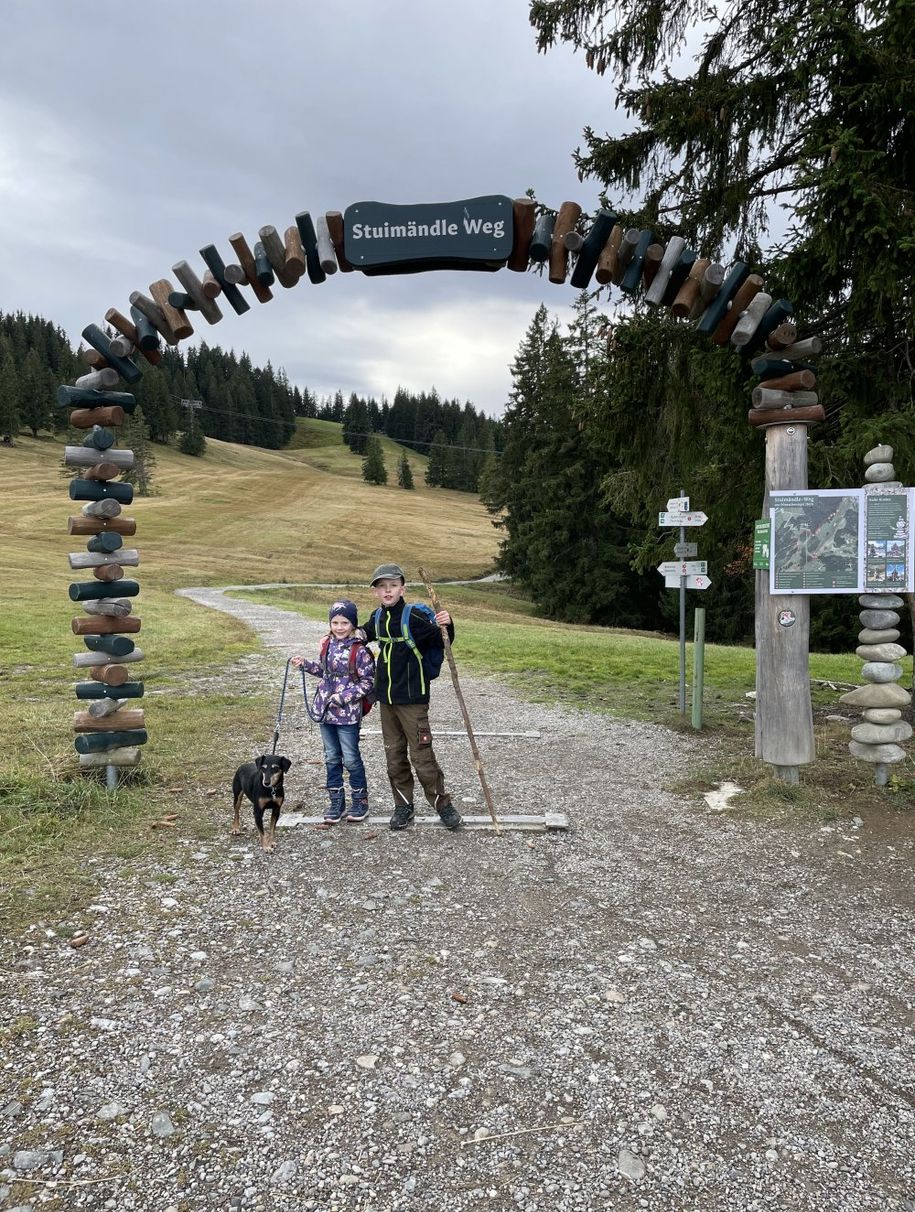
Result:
x=262 y=782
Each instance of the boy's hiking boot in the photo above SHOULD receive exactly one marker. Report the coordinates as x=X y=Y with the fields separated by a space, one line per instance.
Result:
x=403 y=814
x=449 y=816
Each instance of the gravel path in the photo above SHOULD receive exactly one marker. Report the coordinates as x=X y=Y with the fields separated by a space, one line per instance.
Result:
x=663 y=1009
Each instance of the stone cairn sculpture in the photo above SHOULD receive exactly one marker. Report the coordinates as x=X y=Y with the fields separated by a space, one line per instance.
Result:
x=878 y=739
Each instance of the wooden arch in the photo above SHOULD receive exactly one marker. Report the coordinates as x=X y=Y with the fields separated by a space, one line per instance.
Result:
x=730 y=306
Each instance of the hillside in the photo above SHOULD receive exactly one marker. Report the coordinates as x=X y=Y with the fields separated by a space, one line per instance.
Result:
x=244 y=514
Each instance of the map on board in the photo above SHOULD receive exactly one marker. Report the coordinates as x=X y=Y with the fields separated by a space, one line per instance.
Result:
x=887 y=537
x=817 y=541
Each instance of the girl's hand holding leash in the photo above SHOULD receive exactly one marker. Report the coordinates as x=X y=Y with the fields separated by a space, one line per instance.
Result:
x=297 y=661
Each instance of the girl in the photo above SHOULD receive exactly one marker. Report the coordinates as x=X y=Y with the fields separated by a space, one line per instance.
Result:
x=347 y=671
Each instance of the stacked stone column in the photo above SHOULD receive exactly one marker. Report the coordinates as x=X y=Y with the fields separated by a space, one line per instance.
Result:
x=878 y=738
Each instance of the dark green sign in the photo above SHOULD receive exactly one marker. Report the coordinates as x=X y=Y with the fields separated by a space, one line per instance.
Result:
x=474 y=233
x=761 y=531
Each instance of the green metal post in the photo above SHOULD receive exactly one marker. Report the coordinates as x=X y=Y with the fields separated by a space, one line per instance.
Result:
x=698 y=664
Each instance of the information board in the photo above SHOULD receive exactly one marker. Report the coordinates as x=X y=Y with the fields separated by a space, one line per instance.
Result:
x=817 y=541
x=842 y=540
x=888 y=553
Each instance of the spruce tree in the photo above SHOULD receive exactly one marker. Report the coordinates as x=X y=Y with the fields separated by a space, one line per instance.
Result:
x=36 y=394
x=373 y=468
x=436 y=469
x=404 y=472
x=10 y=401
x=134 y=435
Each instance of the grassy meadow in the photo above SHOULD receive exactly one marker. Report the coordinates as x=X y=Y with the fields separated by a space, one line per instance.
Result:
x=245 y=516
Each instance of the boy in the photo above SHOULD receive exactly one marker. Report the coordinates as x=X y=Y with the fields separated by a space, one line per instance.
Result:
x=402 y=692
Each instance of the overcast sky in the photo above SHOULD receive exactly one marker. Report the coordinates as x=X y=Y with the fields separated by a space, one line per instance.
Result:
x=131 y=136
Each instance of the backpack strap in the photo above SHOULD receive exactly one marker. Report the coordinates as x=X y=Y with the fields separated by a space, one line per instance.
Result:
x=411 y=644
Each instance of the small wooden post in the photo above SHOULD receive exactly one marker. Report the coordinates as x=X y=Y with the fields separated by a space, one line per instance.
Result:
x=477 y=760
x=524 y=216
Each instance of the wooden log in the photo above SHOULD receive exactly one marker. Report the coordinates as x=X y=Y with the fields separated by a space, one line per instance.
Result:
x=688 y=293
x=566 y=219
x=632 y=276
x=129 y=330
x=88 y=418
x=102 y=471
x=124 y=557
x=265 y=273
x=524 y=216
x=784 y=718
x=808 y=348
x=111 y=675
x=108 y=572
x=97 y=490
x=799 y=380
x=130 y=718
x=628 y=244
x=310 y=243
x=194 y=287
x=654 y=254
x=574 y=241
x=123 y=348
x=101 y=509
x=295 y=252
x=764 y=398
x=748 y=291
x=276 y=254
x=782 y=336
x=112 y=608
x=773 y=368
x=100 y=625
x=608 y=262
x=177 y=320
x=240 y=247
x=212 y=288
x=99 y=380
x=123 y=757
x=761 y=417
x=83 y=660
x=86 y=456
x=114 y=645
x=98 y=525
x=715 y=311
x=104 y=742
x=99 y=709
x=326 y=256
x=234 y=274
x=99 y=438
x=780 y=310
x=678 y=275
x=128 y=370
x=181 y=301
x=93 y=359
x=148 y=338
x=98 y=690
x=69 y=396
x=105 y=542
x=748 y=323
x=335 y=228
x=81 y=591
x=666 y=262
x=154 y=314
x=542 y=239
x=709 y=285
x=233 y=295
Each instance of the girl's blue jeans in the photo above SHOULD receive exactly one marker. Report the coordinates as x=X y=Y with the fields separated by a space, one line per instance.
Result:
x=341 y=748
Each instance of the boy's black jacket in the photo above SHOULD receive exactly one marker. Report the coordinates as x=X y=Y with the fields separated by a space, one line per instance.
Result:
x=397 y=671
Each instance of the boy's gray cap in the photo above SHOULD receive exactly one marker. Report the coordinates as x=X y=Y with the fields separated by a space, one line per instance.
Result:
x=386 y=572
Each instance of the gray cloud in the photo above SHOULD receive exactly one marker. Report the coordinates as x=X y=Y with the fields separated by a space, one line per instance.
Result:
x=131 y=136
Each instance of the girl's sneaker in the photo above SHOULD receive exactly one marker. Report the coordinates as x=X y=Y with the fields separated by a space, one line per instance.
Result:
x=333 y=813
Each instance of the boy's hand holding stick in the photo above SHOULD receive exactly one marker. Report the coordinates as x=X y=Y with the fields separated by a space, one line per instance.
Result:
x=477 y=760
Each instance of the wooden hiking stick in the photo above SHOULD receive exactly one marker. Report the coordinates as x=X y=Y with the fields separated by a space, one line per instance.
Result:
x=477 y=760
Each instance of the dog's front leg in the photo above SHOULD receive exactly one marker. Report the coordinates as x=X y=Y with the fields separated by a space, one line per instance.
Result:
x=271 y=827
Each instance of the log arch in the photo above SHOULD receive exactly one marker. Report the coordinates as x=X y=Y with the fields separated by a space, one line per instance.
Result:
x=729 y=305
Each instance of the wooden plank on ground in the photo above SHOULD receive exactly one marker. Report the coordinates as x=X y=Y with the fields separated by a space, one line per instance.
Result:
x=550 y=822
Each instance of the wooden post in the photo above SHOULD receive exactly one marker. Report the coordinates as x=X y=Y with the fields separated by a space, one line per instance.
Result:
x=327 y=258
x=334 y=220
x=216 y=265
x=176 y=319
x=598 y=234
x=748 y=291
x=568 y=216
x=632 y=275
x=306 y=228
x=295 y=252
x=477 y=760
x=194 y=287
x=688 y=293
x=668 y=259
x=129 y=371
x=542 y=239
x=246 y=260
x=608 y=263
x=784 y=717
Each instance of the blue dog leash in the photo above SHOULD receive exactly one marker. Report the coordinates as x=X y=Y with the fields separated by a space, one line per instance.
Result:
x=317 y=719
